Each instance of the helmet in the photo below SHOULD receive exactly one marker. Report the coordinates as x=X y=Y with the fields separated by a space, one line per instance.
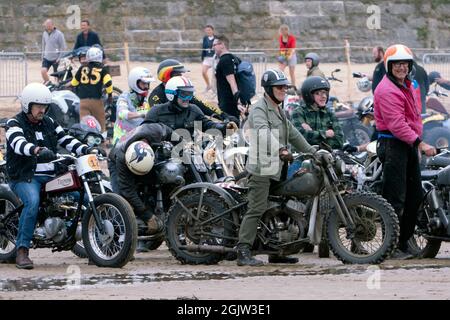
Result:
x=168 y=66
x=139 y=158
x=366 y=106
x=314 y=57
x=177 y=84
x=364 y=84
x=136 y=74
x=273 y=77
x=397 y=52
x=34 y=93
x=312 y=84
x=94 y=54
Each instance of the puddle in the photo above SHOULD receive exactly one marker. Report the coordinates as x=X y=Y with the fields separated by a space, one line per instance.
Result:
x=64 y=283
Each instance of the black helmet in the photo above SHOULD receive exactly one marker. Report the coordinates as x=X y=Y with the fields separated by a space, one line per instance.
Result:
x=312 y=84
x=314 y=57
x=167 y=67
x=274 y=77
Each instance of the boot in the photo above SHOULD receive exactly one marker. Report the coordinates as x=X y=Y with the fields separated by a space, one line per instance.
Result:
x=244 y=257
x=154 y=224
x=282 y=259
x=324 y=250
x=22 y=259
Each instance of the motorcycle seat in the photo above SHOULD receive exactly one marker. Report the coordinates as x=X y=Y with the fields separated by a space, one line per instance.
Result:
x=429 y=174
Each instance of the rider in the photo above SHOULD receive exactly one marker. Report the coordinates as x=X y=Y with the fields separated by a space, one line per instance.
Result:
x=91 y=79
x=133 y=105
x=170 y=68
x=179 y=112
x=268 y=126
x=32 y=139
x=313 y=119
x=312 y=64
x=130 y=163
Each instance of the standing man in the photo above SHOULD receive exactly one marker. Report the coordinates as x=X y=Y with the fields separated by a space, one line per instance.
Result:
x=53 y=47
x=227 y=88
x=86 y=37
x=380 y=70
x=400 y=144
x=207 y=54
x=312 y=61
x=271 y=130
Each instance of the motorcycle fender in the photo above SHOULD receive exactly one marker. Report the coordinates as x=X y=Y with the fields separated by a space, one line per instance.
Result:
x=5 y=189
x=210 y=187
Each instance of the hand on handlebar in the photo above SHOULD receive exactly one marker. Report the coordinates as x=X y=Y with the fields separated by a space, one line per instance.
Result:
x=46 y=155
x=96 y=150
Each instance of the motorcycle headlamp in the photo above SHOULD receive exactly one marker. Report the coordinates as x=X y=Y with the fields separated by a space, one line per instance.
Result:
x=93 y=141
x=339 y=166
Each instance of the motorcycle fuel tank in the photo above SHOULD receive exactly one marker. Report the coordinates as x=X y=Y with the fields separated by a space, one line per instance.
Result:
x=303 y=183
x=443 y=178
x=63 y=183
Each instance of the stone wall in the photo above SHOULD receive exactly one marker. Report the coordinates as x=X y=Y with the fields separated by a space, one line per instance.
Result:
x=168 y=28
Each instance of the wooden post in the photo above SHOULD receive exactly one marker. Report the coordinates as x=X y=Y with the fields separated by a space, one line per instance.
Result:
x=127 y=56
x=349 y=71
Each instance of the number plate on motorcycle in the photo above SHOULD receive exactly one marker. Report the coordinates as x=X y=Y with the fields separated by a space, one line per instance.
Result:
x=86 y=164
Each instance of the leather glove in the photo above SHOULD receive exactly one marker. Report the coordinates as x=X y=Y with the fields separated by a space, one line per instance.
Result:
x=285 y=155
x=232 y=126
x=349 y=148
x=46 y=155
x=95 y=150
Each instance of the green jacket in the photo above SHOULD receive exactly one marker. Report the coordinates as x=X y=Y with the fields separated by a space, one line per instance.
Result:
x=269 y=131
x=315 y=71
x=320 y=120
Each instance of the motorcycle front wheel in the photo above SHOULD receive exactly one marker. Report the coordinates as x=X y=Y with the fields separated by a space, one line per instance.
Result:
x=374 y=236
x=9 y=228
x=115 y=246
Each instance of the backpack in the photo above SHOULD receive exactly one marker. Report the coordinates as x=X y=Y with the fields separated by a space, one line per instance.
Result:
x=246 y=79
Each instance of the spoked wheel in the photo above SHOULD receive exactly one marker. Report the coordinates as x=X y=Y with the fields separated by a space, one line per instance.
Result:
x=115 y=246
x=9 y=228
x=185 y=227
x=376 y=231
x=420 y=246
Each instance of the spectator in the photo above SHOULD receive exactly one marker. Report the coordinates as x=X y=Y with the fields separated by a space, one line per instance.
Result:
x=380 y=70
x=312 y=61
x=400 y=144
x=86 y=37
x=227 y=89
x=207 y=54
x=53 y=47
x=420 y=75
x=288 y=56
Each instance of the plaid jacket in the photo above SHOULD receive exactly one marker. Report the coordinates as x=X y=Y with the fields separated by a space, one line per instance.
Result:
x=320 y=120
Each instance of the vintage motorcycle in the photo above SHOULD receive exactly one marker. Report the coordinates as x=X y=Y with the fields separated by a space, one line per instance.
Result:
x=203 y=223
x=108 y=227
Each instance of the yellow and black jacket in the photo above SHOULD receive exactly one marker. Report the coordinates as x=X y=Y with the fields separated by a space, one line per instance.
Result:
x=90 y=81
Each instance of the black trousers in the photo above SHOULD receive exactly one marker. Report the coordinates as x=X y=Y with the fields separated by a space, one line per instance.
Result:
x=401 y=184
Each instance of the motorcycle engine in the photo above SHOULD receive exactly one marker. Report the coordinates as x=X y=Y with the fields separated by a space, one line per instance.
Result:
x=52 y=229
x=60 y=205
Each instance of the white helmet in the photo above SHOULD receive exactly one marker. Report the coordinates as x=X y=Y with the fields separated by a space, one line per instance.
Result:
x=364 y=84
x=397 y=52
x=136 y=74
x=177 y=84
x=34 y=93
x=94 y=54
x=139 y=158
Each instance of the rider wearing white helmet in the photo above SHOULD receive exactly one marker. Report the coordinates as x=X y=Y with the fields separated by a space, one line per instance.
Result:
x=91 y=80
x=32 y=138
x=133 y=105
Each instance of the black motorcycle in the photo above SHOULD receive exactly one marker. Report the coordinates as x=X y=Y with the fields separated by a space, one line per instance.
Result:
x=203 y=223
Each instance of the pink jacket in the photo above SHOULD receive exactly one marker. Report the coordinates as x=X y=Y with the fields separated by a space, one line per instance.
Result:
x=396 y=110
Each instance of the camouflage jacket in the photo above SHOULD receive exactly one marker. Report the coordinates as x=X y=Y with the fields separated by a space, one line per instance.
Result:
x=320 y=120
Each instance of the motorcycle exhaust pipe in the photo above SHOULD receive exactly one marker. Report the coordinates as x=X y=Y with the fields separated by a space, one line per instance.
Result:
x=434 y=200
x=203 y=248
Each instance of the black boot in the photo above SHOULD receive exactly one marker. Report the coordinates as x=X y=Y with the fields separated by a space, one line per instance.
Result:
x=324 y=250
x=244 y=257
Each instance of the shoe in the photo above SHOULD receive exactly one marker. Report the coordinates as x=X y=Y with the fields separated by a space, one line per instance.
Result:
x=154 y=224
x=324 y=250
x=282 y=259
x=22 y=259
x=401 y=255
x=244 y=257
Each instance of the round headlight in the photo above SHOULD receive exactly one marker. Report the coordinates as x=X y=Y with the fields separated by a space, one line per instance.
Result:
x=339 y=166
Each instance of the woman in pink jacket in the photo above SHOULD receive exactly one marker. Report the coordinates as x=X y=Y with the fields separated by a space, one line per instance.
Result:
x=400 y=142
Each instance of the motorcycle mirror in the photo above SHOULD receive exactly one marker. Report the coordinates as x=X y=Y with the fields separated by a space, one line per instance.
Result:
x=337 y=70
x=357 y=75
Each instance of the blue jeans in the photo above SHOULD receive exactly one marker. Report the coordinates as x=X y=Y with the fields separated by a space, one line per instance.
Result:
x=29 y=194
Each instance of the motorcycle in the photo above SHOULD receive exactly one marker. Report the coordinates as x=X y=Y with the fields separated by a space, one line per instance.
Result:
x=108 y=228
x=436 y=124
x=203 y=223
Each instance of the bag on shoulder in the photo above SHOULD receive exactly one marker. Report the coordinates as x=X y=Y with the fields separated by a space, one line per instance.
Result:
x=246 y=80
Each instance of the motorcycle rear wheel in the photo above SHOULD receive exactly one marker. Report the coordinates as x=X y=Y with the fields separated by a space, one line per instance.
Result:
x=376 y=230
